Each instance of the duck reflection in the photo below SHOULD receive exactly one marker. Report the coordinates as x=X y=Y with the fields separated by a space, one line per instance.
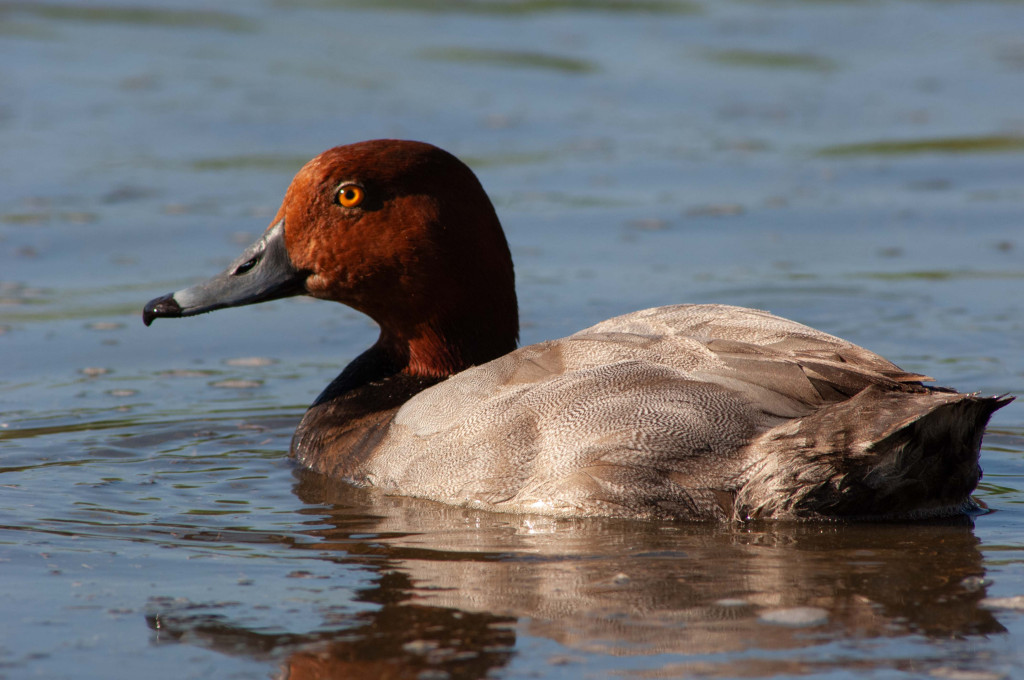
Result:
x=453 y=588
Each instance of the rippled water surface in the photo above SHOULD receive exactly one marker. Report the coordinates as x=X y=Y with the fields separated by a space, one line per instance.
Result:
x=856 y=166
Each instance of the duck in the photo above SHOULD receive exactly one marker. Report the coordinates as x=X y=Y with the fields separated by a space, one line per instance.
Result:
x=691 y=412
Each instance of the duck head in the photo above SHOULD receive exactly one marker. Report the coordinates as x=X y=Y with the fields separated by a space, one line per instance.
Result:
x=401 y=231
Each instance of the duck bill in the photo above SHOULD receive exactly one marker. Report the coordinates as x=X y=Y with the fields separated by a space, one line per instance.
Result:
x=264 y=271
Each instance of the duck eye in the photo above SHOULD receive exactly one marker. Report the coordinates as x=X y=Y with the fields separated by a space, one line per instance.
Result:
x=350 y=195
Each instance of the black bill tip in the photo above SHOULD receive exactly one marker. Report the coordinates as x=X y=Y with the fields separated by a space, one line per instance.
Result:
x=165 y=306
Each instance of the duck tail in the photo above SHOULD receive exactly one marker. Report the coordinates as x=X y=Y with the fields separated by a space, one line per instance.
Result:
x=884 y=454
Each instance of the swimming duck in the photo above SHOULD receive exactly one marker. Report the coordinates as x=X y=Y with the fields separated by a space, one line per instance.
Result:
x=695 y=412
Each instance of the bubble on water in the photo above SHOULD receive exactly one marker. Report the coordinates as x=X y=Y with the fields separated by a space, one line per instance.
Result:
x=1014 y=602
x=795 y=616
x=94 y=371
x=237 y=384
x=420 y=646
x=433 y=674
x=250 y=361
x=959 y=674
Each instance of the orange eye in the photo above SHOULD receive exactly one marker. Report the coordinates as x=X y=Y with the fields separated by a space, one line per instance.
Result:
x=350 y=195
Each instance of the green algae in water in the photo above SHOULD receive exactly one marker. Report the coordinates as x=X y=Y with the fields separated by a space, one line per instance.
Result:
x=510 y=58
x=940 y=275
x=25 y=218
x=512 y=7
x=20 y=29
x=773 y=60
x=118 y=14
x=948 y=145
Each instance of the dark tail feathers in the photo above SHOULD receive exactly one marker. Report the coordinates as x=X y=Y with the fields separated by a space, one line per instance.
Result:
x=880 y=455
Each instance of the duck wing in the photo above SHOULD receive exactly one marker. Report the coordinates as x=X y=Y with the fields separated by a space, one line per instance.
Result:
x=689 y=411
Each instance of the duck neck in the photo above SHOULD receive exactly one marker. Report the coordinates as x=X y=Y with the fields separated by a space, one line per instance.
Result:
x=436 y=349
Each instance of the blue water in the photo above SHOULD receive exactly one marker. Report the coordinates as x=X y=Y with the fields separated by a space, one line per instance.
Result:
x=858 y=167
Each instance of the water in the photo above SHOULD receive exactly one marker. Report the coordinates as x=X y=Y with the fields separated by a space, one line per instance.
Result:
x=855 y=166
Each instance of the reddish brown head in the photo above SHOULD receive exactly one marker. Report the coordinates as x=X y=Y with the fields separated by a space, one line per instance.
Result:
x=401 y=231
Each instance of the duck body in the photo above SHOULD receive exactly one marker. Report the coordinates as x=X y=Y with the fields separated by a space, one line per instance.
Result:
x=702 y=412
x=695 y=412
